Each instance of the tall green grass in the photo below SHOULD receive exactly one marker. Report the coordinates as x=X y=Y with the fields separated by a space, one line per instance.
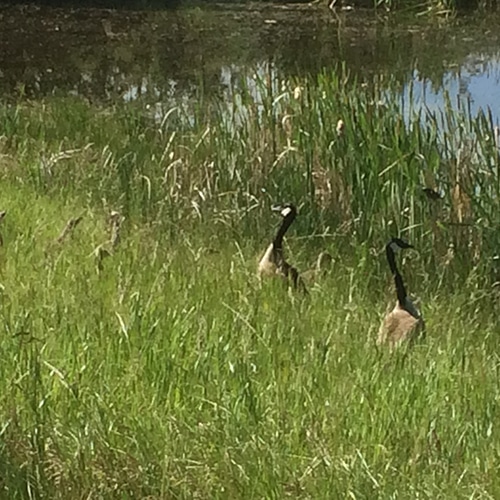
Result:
x=173 y=373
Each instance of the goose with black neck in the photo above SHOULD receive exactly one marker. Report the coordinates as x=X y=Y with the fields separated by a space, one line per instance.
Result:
x=273 y=262
x=404 y=322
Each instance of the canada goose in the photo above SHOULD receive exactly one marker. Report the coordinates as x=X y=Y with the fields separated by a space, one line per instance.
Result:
x=273 y=262
x=404 y=321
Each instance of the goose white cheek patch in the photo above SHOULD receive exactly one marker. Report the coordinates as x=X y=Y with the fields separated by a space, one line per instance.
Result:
x=395 y=247
x=286 y=211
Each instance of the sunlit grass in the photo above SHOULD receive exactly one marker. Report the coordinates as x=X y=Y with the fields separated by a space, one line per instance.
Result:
x=173 y=373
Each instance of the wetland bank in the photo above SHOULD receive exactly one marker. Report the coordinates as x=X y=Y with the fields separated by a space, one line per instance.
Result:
x=165 y=370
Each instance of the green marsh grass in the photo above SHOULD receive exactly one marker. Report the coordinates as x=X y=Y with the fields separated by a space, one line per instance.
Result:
x=173 y=373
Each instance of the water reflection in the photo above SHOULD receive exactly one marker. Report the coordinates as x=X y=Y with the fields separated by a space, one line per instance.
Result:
x=174 y=57
x=472 y=87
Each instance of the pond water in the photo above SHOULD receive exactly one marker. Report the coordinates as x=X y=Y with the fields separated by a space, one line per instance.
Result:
x=474 y=85
x=163 y=56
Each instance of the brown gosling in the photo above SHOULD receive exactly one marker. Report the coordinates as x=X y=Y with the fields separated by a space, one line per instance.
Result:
x=323 y=264
x=273 y=262
x=106 y=249
x=404 y=322
x=68 y=228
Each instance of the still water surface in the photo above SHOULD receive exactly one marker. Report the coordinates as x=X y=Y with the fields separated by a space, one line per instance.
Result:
x=172 y=56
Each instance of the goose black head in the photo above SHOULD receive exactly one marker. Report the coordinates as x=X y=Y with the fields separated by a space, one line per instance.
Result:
x=432 y=194
x=397 y=244
x=286 y=210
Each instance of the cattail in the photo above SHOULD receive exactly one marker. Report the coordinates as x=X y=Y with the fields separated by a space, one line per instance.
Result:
x=297 y=92
x=340 y=127
x=116 y=222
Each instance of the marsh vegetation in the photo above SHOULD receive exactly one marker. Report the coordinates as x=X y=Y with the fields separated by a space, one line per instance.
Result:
x=171 y=372
x=141 y=355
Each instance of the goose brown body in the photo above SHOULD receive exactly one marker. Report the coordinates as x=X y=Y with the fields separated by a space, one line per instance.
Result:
x=404 y=322
x=399 y=325
x=273 y=262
